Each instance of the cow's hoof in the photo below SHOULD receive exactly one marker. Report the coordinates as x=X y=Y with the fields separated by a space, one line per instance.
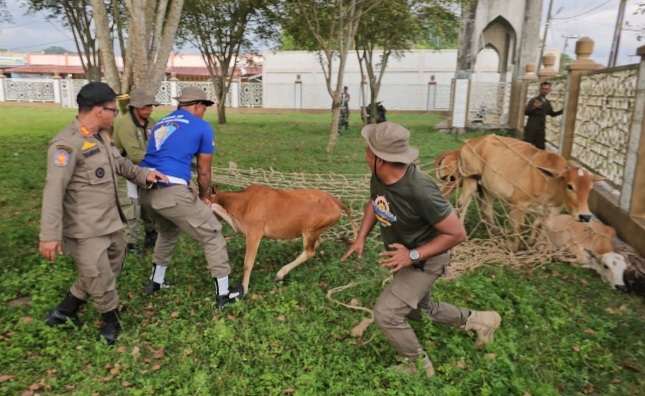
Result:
x=277 y=278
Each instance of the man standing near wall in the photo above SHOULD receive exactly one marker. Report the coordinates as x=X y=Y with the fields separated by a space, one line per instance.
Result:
x=537 y=109
x=131 y=133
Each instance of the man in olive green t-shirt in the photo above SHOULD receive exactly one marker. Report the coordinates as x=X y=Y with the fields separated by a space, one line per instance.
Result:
x=418 y=227
x=131 y=133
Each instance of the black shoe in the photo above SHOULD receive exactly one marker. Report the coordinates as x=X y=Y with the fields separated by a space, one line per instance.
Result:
x=56 y=318
x=235 y=293
x=111 y=326
x=150 y=240
x=152 y=287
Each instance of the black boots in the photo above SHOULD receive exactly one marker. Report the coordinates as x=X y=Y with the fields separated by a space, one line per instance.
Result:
x=235 y=293
x=66 y=310
x=150 y=239
x=111 y=326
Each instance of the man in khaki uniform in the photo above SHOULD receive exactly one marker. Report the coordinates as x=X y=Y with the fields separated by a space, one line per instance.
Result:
x=80 y=210
x=131 y=133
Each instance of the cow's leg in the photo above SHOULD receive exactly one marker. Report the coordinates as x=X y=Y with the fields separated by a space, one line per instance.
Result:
x=465 y=196
x=309 y=243
x=252 y=245
x=517 y=221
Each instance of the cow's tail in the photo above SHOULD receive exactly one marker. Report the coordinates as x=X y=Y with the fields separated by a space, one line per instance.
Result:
x=349 y=215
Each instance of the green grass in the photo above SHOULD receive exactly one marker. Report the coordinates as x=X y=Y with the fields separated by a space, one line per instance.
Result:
x=563 y=333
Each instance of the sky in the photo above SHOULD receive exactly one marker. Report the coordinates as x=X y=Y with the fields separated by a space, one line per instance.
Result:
x=592 y=18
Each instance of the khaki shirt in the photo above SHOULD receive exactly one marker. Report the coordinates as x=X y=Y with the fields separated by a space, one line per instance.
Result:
x=80 y=198
x=130 y=138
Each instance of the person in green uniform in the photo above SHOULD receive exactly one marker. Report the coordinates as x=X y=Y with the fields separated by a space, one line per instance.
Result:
x=418 y=226
x=80 y=211
x=131 y=133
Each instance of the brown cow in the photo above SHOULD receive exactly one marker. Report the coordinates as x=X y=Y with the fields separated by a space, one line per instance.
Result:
x=529 y=179
x=592 y=245
x=260 y=211
x=447 y=172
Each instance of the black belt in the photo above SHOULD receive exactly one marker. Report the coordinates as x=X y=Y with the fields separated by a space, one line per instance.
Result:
x=158 y=186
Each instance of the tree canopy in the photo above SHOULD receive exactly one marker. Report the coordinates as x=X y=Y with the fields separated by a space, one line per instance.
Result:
x=220 y=29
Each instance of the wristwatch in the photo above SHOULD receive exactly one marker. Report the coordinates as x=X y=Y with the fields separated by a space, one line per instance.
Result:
x=414 y=256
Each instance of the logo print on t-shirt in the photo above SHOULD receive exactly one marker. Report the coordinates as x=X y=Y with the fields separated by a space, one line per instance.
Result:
x=163 y=132
x=382 y=211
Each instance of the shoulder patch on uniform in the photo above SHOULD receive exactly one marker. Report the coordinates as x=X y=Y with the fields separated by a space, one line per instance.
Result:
x=63 y=147
x=61 y=158
x=84 y=130
x=88 y=145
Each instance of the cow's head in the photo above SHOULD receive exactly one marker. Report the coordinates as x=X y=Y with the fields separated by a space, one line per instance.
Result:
x=612 y=270
x=447 y=172
x=576 y=184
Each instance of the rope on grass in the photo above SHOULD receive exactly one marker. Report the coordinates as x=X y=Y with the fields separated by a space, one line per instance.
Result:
x=353 y=190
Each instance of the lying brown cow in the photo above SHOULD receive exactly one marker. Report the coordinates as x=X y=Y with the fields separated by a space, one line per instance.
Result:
x=529 y=179
x=260 y=211
x=592 y=245
x=447 y=172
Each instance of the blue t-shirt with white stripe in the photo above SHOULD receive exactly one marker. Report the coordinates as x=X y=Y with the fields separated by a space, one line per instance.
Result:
x=175 y=140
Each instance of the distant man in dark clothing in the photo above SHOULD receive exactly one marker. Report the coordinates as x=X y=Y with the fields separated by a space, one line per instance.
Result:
x=537 y=109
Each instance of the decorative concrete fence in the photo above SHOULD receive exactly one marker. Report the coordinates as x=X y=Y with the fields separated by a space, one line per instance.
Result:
x=601 y=129
x=64 y=90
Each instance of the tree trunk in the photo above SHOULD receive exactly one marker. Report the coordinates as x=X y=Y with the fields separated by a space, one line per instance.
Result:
x=105 y=45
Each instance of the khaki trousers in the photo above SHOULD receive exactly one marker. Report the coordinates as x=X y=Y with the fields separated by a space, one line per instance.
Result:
x=178 y=208
x=99 y=261
x=134 y=215
x=409 y=293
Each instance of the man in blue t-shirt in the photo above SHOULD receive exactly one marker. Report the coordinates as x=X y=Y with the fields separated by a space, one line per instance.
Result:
x=418 y=227
x=174 y=142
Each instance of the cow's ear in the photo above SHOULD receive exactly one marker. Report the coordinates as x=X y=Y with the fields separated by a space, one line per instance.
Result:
x=214 y=189
x=550 y=172
x=596 y=178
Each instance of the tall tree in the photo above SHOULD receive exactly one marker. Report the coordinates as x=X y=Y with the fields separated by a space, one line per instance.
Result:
x=77 y=16
x=5 y=16
x=390 y=28
x=220 y=29
x=152 y=26
x=331 y=26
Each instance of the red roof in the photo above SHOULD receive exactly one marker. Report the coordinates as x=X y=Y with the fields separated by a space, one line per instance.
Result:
x=180 y=71
x=46 y=69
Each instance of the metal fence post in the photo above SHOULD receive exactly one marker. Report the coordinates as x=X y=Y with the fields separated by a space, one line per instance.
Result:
x=297 y=98
x=432 y=93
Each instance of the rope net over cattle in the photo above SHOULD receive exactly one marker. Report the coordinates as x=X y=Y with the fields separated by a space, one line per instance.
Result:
x=491 y=247
x=353 y=191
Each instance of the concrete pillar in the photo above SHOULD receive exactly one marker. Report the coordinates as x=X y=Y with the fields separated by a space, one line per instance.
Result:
x=57 y=90
x=548 y=71
x=71 y=100
x=519 y=99
x=297 y=97
x=432 y=93
x=459 y=105
x=583 y=63
x=174 y=88
x=2 y=78
x=632 y=197
x=235 y=92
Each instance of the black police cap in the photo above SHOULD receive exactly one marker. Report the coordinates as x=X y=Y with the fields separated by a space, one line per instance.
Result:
x=94 y=94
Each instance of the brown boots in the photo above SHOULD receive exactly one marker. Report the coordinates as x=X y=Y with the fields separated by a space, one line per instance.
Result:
x=484 y=323
x=410 y=367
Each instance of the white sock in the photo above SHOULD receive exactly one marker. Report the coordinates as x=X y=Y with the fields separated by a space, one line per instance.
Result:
x=159 y=274
x=222 y=286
